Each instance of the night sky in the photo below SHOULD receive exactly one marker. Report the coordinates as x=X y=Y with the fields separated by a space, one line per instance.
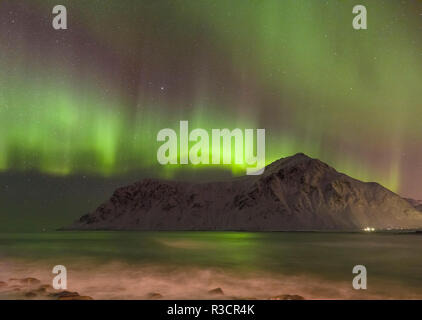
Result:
x=80 y=108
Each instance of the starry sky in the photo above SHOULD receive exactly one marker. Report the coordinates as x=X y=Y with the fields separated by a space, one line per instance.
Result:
x=80 y=108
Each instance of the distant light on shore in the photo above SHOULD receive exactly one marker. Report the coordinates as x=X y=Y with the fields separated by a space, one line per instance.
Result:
x=368 y=229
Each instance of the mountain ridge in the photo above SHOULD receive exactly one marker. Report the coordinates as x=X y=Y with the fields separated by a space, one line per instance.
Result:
x=294 y=193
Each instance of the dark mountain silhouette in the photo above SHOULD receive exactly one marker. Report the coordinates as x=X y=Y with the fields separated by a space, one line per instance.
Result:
x=294 y=193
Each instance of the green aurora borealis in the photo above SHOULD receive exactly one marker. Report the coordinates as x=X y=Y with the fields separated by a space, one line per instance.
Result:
x=91 y=99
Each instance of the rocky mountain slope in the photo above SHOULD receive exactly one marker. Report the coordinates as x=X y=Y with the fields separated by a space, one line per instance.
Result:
x=294 y=193
x=415 y=203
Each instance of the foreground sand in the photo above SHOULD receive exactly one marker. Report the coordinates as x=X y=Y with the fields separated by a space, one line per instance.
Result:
x=33 y=289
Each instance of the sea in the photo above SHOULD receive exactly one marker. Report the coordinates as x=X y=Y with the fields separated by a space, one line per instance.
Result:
x=191 y=265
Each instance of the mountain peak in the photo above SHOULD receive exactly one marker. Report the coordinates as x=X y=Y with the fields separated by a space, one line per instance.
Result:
x=300 y=155
x=300 y=161
x=294 y=159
